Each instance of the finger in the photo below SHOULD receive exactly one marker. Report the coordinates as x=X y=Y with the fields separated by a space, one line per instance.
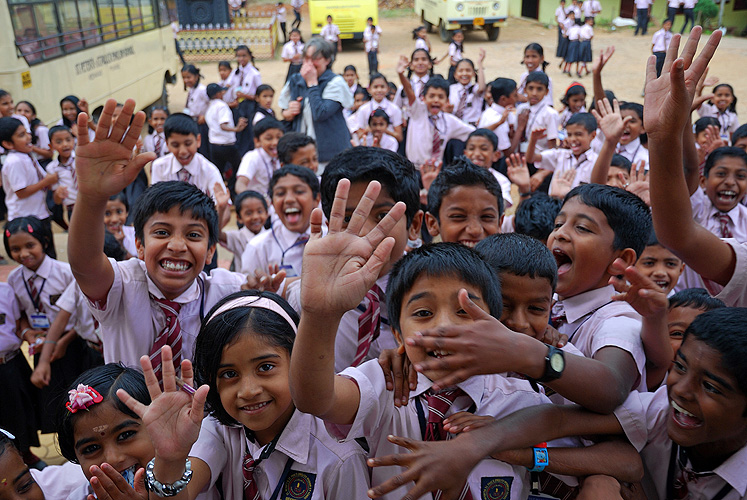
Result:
x=618 y=267
x=315 y=223
x=626 y=119
x=119 y=128
x=377 y=235
x=379 y=258
x=394 y=482
x=608 y=109
x=187 y=372
x=198 y=404
x=650 y=70
x=105 y=122
x=701 y=63
x=140 y=488
x=672 y=51
x=363 y=209
x=132 y=403
x=132 y=135
x=151 y=381
x=168 y=372
x=691 y=46
x=596 y=115
x=337 y=213
x=452 y=379
x=412 y=377
x=114 y=481
x=474 y=311
x=83 y=125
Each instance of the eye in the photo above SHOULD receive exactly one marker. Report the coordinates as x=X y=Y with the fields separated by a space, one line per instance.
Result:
x=457 y=217
x=676 y=334
x=709 y=387
x=679 y=367
x=265 y=367
x=26 y=485
x=227 y=374
x=160 y=233
x=538 y=309
x=422 y=313
x=583 y=229
x=125 y=435
x=89 y=450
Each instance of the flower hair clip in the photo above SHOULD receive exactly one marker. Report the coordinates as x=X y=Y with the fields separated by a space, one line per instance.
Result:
x=82 y=397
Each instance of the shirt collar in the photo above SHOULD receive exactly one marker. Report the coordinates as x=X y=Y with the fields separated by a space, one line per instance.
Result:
x=498 y=108
x=288 y=237
x=732 y=471
x=580 y=305
x=192 y=167
x=294 y=440
x=734 y=214
x=474 y=387
x=189 y=295
x=70 y=161
x=632 y=146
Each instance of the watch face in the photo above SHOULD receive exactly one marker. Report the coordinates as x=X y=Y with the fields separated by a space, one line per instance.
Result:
x=557 y=362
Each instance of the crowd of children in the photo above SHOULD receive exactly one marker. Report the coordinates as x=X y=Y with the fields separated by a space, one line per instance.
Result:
x=385 y=329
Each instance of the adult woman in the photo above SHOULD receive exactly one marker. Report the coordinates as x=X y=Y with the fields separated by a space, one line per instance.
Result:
x=314 y=99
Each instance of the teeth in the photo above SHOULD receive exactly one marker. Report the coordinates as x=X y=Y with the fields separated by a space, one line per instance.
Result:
x=682 y=410
x=727 y=193
x=292 y=211
x=662 y=284
x=256 y=407
x=170 y=265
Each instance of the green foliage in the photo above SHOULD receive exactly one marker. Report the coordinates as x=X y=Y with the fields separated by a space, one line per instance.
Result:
x=706 y=10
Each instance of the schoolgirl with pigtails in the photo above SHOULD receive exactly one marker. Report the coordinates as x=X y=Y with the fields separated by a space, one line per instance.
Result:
x=534 y=60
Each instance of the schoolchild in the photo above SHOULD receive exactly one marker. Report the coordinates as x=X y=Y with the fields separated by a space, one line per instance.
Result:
x=420 y=35
x=584 y=48
x=155 y=141
x=541 y=114
x=331 y=33
x=246 y=79
x=455 y=53
x=371 y=36
x=350 y=74
x=464 y=95
x=225 y=71
x=66 y=188
x=280 y=14
x=378 y=124
x=197 y=102
x=12 y=465
x=535 y=216
x=660 y=265
x=534 y=61
x=298 y=149
x=265 y=95
x=115 y=218
x=482 y=150
x=70 y=108
x=292 y=53
x=419 y=71
x=722 y=106
x=7 y=110
x=739 y=138
x=660 y=43
x=378 y=87
x=39 y=131
x=251 y=213
x=222 y=134
x=574 y=101
x=257 y=166
x=573 y=54
x=500 y=116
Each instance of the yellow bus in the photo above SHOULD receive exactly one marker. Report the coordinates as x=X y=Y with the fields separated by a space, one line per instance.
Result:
x=467 y=15
x=95 y=49
x=349 y=15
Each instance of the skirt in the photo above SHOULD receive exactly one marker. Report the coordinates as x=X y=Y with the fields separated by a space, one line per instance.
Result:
x=562 y=47
x=558 y=51
x=572 y=55
x=292 y=70
x=19 y=413
x=585 y=51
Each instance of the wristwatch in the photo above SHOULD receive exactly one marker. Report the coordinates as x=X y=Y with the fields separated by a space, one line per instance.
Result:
x=554 y=364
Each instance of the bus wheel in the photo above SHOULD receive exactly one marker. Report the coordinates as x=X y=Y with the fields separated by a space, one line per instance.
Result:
x=445 y=34
x=492 y=32
x=428 y=26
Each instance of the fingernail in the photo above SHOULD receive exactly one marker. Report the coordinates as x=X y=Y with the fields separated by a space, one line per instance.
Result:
x=419 y=367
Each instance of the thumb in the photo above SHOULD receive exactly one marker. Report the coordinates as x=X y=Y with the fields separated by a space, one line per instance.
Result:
x=474 y=311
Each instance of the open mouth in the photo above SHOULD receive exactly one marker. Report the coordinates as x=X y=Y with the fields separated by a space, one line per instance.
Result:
x=727 y=196
x=292 y=215
x=177 y=266
x=563 y=260
x=469 y=243
x=684 y=418
x=575 y=147
x=438 y=354
x=663 y=284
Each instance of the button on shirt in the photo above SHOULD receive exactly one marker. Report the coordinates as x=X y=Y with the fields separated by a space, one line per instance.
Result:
x=19 y=172
x=202 y=173
x=340 y=468
x=644 y=417
x=371 y=39
x=291 y=49
x=705 y=214
x=9 y=314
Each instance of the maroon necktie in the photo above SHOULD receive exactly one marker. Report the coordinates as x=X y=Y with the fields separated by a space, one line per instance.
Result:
x=437 y=140
x=251 y=492
x=170 y=335
x=723 y=220
x=369 y=324
x=462 y=102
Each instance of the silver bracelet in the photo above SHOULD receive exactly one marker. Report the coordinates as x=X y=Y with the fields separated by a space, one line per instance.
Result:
x=167 y=490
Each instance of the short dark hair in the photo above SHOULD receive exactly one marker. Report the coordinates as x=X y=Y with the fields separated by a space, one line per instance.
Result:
x=586 y=120
x=396 y=174
x=462 y=173
x=8 y=127
x=627 y=215
x=376 y=76
x=306 y=175
x=620 y=161
x=486 y=133
x=702 y=123
x=520 y=255
x=695 y=298
x=122 y=198
x=442 y=259
x=724 y=330
x=245 y=195
x=181 y=124
x=633 y=106
x=290 y=143
x=538 y=77
x=379 y=113
x=436 y=82
x=163 y=196
x=739 y=133
x=113 y=248
x=263 y=88
x=106 y=380
x=266 y=124
x=58 y=128
x=501 y=87
x=723 y=152
x=216 y=334
x=535 y=216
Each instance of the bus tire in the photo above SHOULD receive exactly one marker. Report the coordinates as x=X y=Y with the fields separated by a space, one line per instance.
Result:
x=444 y=33
x=493 y=32
x=428 y=25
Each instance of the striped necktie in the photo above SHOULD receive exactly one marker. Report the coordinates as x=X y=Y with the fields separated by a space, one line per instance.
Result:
x=369 y=324
x=170 y=335
x=251 y=491
x=723 y=221
x=437 y=140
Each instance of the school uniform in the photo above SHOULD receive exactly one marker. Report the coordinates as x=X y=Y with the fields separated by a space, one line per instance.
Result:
x=688 y=8
x=644 y=418
x=41 y=133
x=331 y=33
x=521 y=89
x=734 y=293
x=566 y=115
x=246 y=79
x=130 y=318
x=291 y=49
x=672 y=7
x=560 y=16
x=258 y=166
x=91 y=133
x=428 y=134
x=280 y=16
x=505 y=184
x=73 y=301
x=642 y=11
x=540 y=116
x=66 y=177
x=223 y=150
x=377 y=417
x=371 y=45
x=261 y=114
x=417 y=83
x=572 y=55
x=592 y=321
x=387 y=142
x=586 y=33
x=156 y=143
x=128 y=242
x=561 y=160
x=197 y=104
x=420 y=44
x=492 y=115
x=659 y=45
x=705 y=214
x=278 y=246
x=563 y=27
x=366 y=110
x=633 y=151
x=467 y=102
x=238 y=239
x=456 y=54
x=20 y=171
x=60 y=481
x=306 y=462
x=728 y=119
x=199 y=172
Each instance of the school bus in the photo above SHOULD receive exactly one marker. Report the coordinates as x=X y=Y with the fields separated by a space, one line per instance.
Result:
x=349 y=15
x=467 y=15
x=95 y=49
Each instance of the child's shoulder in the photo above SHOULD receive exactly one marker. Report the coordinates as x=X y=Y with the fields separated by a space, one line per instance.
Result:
x=223 y=278
x=162 y=162
x=644 y=414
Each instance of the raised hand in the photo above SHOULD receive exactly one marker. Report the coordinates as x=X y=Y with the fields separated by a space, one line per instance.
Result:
x=639 y=184
x=339 y=268
x=562 y=183
x=604 y=56
x=105 y=166
x=645 y=296
x=108 y=484
x=610 y=120
x=518 y=172
x=402 y=64
x=539 y=133
x=398 y=373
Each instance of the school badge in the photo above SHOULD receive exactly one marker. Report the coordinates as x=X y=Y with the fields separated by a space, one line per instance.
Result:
x=495 y=488
x=54 y=298
x=299 y=486
x=2 y=318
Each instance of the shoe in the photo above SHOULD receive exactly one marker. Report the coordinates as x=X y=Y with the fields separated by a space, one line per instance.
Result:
x=579 y=75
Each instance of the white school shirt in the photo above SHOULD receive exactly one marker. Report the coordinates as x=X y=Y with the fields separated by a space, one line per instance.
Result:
x=73 y=301
x=42 y=137
x=586 y=32
x=541 y=116
x=420 y=132
x=197 y=100
x=149 y=144
x=660 y=41
x=321 y=467
x=297 y=4
x=728 y=119
x=377 y=417
x=594 y=322
x=387 y=142
x=366 y=110
x=21 y=171
x=473 y=103
x=420 y=44
x=505 y=184
x=492 y=115
x=456 y=54
x=128 y=242
x=574 y=32
x=587 y=8
x=689 y=4
x=52 y=278
x=734 y=293
x=10 y=313
x=246 y=79
x=674 y=3
x=560 y=14
x=202 y=173
x=644 y=417
x=523 y=83
x=576 y=10
x=331 y=33
x=238 y=239
x=65 y=177
x=567 y=114
x=705 y=214
x=642 y=4
x=259 y=115
x=59 y=481
x=278 y=246
x=130 y=320
x=633 y=151
x=371 y=40
x=218 y=113
x=258 y=166
x=291 y=48
x=560 y=160
x=280 y=14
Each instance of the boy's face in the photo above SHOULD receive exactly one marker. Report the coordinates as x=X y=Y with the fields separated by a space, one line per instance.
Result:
x=579 y=139
x=306 y=156
x=433 y=302
x=384 y=202
x=269 y=141
x=115 y=216
x=158 y=119
x=265 y=99
x=535 y=92
x=480 y=151
x=293 y=202
x=634 y=127
x=184 y=147
x=678 y=319
x=175 y=250
x=252 y=214
x=526 y=303
x=667 y=25
x=509 y=100
x=618 y=177
x=468 y=215
x=582 y=246
x=708 y=409
x=19 y=483
x=661 y=265
x=435 y=99
x=726 y=183
x=64 y=143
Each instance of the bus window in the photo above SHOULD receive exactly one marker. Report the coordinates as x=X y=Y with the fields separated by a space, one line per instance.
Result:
x=89 y=22
x=71 y=33
x=136 y=15
x=149 y=20
x=122 y=17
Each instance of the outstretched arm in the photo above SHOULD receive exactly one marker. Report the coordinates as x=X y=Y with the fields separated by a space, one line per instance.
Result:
x=604 y=57
x=612 y=124
x=406 y=85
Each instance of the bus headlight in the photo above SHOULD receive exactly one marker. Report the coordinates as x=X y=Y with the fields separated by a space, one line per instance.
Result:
x=460 y=7
x=496 y=6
